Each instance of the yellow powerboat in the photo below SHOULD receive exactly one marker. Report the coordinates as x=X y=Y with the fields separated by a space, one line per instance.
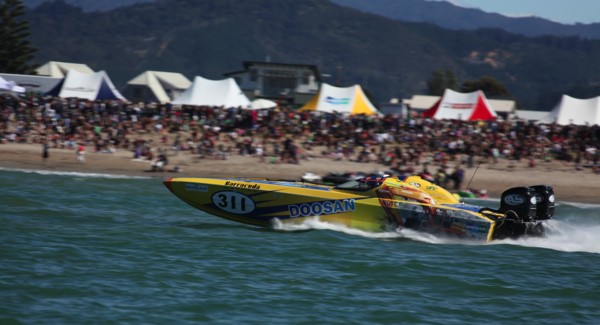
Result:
x=369 y=204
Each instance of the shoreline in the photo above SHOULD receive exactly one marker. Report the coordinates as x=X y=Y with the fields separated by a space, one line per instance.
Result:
x=570 y=185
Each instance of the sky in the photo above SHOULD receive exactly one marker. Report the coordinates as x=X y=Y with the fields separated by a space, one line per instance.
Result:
x=561 y=11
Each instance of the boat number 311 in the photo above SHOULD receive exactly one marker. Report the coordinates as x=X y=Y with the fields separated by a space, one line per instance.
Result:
x=233 y=202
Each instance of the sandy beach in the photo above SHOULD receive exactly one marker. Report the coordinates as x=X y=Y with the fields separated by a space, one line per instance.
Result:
x=569 y=184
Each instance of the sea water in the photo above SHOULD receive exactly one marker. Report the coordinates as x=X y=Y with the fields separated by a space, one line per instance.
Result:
x=91 y=248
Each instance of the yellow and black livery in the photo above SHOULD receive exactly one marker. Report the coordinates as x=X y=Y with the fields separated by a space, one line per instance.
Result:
x=369 y=204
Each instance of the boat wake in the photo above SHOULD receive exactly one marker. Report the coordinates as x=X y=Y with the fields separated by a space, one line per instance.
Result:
x=561 y=235
x=399 y=234
x=75 y=174
x=564 y=236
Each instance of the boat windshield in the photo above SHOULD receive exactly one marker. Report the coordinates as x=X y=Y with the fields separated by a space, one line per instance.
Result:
x=363 y=184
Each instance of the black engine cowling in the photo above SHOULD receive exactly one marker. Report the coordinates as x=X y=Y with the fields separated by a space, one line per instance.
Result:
x=525 y=208
x=533 y=203
x=521 y=200
x=544 y=201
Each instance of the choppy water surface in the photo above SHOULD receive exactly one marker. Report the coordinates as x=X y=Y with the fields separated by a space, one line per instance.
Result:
x=79 y=248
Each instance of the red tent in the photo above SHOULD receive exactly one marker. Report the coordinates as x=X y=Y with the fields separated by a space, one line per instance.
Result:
x=461 y=106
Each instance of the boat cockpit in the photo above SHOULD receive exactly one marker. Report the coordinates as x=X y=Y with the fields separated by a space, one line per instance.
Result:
x=361 y=184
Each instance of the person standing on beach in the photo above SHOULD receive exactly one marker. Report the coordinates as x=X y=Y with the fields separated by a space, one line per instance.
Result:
x=458 y=177
x=45 y=151
x=81 y=154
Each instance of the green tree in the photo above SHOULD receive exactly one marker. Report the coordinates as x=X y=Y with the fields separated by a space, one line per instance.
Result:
x=15 y=51
x=440 y=81
x=490 y=86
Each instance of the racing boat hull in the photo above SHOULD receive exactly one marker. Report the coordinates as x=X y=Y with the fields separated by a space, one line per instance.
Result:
x=390 y=205
x=261 y=202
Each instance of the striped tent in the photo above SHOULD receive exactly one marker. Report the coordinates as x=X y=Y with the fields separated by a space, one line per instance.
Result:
x=349 y=100
x=461 y=106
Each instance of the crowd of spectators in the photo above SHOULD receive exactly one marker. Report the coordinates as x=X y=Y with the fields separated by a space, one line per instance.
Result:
x=285 y=135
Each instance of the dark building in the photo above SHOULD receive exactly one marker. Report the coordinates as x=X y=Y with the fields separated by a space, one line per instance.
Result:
x=283 y=82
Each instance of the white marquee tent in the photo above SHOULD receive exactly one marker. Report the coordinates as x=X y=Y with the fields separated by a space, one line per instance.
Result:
x=10 y=86
x=348 y=100
x=94 y=86
x=461 y=106
x=576 y=111
x=156 y=86
x=206 y=92
x=33 y=83
x=59 y=69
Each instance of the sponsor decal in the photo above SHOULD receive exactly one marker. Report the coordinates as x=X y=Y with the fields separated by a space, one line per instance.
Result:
x=29 y=84
x=337 y=101
x=321 y=208
x=474 y=228
x=514 y=199
x=233 y=202
x=196 y=187
x=458 y=105
x=82 y=89
x=387 y=203
x=415 y=184
x=243 y=185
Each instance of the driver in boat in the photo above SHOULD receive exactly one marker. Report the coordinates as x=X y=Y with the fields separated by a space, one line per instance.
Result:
x=409 y=188
x=401 y=190
x=398 y=190
x=372 y=182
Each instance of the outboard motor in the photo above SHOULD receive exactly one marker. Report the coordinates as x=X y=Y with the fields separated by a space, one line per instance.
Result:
x=544 y=201
x=522 y=201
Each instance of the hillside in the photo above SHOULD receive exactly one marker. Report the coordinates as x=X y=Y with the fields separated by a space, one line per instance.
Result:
x=89 y=5
x=447 y=15
x=387 y=57
x=443 y=14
